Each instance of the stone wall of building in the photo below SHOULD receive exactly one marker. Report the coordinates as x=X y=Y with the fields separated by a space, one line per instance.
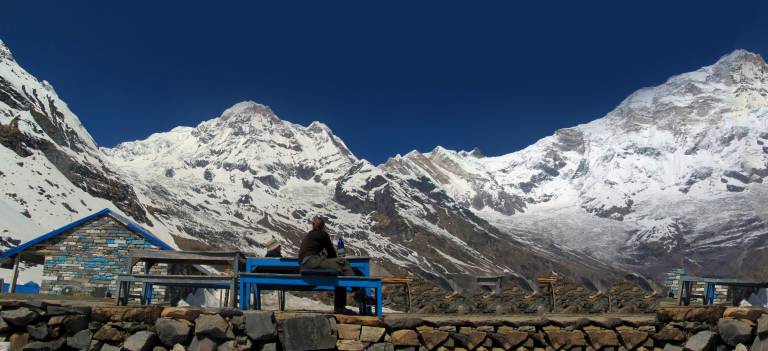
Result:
x=90 y=257
x=36 y=325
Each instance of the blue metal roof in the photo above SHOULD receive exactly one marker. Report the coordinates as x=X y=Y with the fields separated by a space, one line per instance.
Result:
x=105 y=212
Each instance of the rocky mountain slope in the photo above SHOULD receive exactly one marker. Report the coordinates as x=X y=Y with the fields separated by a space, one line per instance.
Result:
x=674 y=169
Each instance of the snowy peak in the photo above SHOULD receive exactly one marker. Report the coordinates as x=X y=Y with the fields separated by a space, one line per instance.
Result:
x=248 y=112
x=5 y=52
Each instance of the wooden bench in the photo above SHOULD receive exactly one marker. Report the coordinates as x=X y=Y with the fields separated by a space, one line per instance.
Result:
x=405 y=282
x=307 y=280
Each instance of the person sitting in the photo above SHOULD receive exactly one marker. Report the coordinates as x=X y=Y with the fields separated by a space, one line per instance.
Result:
x=317 y=252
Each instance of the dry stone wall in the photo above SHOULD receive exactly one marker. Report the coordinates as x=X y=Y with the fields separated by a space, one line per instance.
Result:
x=40 y=326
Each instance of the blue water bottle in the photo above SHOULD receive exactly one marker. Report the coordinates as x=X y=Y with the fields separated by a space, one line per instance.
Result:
x=340 y=247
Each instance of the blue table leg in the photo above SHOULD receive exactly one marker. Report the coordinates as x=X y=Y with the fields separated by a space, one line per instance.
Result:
x=149 y=293
x=242 y=296
x=379 y=312
x=257 y=297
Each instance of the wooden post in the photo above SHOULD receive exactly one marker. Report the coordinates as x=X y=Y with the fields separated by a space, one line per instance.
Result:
x=15 y=278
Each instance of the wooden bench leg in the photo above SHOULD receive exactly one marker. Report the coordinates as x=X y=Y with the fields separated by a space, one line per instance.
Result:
x=407 y=298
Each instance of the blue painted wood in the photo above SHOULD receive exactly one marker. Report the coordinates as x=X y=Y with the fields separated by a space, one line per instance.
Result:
x=268 y=281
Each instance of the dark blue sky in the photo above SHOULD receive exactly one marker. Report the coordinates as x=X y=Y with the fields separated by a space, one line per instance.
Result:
x=387 y=76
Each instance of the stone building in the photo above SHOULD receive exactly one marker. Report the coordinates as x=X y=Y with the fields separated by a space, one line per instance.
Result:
x=84 y=257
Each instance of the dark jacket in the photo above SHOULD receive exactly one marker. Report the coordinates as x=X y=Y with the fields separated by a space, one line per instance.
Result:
x=314 y=243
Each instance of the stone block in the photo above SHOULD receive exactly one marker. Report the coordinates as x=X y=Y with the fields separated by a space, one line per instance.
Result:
x=734 y=331
x=349 y=331
x=349 y=345
x=702 y=341
x=260 y=325
x=308 y=333
x=141 y=341
x=172 y=331
x=372 y=334
x=405 y=337
x=212 y=326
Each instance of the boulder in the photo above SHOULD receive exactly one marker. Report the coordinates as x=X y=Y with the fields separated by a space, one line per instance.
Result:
x=349 y=345
x=171 y=331
x=600 y=338
x=750 y=313
x=74 y=323
x=670 y=347
x=405 y=337
x=734 y=331
x=702 y=341
x=382 y=346
x=433 y=338
x=19 y=317
x=269 y=346
x=564 y=339
x=349 y=331
x=762 y=325
x=371 y=334
x=707 y=314
x=18 y=341
x=188 y=314
x=308 y=333
x=631 y=337
x=740 y=347
x=201 y=343
x=758 y=345
x=178 y=347
x=38 y=331
x=109 y=333
x=669 y=333
x=45 y=345
x=141 y=341
x=509 y=339
x=475 y=337
x=212 y=326
x=395 y=323
x=81 y=340
x=230 y=345
x=260 y=325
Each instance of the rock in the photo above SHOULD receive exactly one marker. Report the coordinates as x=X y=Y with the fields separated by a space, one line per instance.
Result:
x=54 y=310
x=188 y=314
x=360 y=320
x=159 y=348
x=433 y=338
x=108 y=347
x=38 y=331
x=178 y=347
x=405 y=337
x=144 y=314
x=349 y=331
x=212 y=326
x=382 y=346
x=670 y=347
x=448 y=328
x=669 y=333
x=509 y=338
x=18 y=341
x=750 y=313
x=395 y=323
x=243 y=343
x=141 y=341
x=706 y=314
x=4 y=327
x=734 y=331
x=564 y=339
x=762 y=325
x=74 y=323
x=171 y=331
x=702 y=341
x=308 y=333
x=371 y=334
x=81 y=340
x=349 y=345
x=599 y=338
x=230 y=345
x=201 y=343
x=475 y=337
x=631 y=337
x=260 y=325
x=758 y=345
x=56 y=320
x=19 y=317
x=270 y=346
x=45 y=345
x=740 y=347
x=109 y=333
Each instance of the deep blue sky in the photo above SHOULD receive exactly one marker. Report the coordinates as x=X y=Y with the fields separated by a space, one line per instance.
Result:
x=386 y=76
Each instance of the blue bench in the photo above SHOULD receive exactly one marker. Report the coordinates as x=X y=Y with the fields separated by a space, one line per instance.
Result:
x=307 y=280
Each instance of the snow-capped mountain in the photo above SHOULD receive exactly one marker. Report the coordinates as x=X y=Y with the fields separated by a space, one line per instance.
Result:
x=675 y=168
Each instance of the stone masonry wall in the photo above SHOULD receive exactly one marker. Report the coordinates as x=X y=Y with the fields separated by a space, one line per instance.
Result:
x=91 y=256
x=39 y=326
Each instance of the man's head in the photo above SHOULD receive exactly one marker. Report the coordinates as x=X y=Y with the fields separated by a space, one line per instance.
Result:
x=318 y=223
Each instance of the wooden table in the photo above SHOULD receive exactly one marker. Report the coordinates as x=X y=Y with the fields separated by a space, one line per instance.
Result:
x=234 y=259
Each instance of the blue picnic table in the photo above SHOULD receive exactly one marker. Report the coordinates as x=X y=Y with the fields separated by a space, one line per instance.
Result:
x=253 y=280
